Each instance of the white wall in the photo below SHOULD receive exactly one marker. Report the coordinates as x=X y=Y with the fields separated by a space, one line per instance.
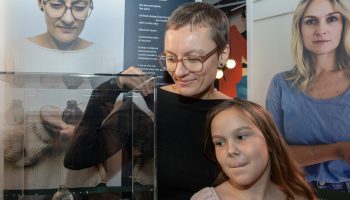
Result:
x=269 y=45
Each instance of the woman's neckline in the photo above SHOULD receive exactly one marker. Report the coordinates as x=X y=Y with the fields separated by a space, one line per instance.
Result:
x=216 y=94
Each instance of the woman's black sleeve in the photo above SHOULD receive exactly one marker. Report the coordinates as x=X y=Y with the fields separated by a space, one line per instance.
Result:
x=92 y=142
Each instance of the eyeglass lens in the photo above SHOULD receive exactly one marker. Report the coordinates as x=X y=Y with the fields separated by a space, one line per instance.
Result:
x=170 y=63
x=193 y=64
x=56 y=8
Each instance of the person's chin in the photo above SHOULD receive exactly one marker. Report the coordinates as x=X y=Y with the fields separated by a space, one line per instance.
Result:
x=322 y=51
x=63 y=34
x=67 y=40
x=188 y=91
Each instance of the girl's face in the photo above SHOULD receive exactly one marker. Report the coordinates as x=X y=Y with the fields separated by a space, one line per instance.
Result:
x=240 y=148
x=192 y=44
x=321 y=27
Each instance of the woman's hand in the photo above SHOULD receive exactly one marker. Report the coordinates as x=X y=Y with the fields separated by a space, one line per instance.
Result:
x=144 y=83
x=60 y=131
x=343 y=151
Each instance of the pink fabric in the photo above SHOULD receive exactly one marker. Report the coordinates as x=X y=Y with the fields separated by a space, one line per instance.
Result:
x=207 y=193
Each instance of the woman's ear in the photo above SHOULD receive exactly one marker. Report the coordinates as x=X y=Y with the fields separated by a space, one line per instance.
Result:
x=225 y=54
x=40 y=4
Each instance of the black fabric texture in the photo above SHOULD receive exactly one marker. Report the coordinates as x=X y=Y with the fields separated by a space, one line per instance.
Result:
x=183 y=169
x=95 y=140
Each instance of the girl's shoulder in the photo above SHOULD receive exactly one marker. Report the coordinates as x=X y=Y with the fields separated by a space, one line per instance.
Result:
x=207 y=193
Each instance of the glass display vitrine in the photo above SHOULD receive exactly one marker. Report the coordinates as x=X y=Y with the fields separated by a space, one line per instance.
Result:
x=81 y=130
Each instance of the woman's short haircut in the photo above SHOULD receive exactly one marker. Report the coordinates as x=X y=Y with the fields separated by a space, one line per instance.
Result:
x=202 y=15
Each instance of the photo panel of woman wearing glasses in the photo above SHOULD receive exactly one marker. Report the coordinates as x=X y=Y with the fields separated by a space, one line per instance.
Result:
x=60 y=36
x=46 y=37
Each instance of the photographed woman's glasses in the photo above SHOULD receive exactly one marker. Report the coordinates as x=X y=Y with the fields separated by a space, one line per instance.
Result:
x=79 y=9
x=191 y=63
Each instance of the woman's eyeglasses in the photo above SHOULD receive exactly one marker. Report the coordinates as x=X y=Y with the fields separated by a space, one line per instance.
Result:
x=80 y=10
x=191 y=63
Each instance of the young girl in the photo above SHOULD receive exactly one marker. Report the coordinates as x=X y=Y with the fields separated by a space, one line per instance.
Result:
x=253 y=160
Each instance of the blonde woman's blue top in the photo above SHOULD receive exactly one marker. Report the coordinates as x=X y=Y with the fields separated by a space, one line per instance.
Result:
x=304 y=120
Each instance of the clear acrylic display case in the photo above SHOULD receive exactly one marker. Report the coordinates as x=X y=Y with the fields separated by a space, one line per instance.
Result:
x=104 y=133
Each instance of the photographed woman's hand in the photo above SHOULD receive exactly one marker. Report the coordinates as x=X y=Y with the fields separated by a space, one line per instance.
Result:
x=60 y=131
x=64 y=133
x=343 y=151
x=143 y=82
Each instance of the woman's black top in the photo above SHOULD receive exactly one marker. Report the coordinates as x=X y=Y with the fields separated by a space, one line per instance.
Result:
x=182 y=167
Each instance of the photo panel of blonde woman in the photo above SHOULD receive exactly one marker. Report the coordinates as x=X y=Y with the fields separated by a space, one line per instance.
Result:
x=301 y=73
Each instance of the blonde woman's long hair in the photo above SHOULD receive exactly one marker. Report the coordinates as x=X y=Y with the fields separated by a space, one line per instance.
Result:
x=303 y=73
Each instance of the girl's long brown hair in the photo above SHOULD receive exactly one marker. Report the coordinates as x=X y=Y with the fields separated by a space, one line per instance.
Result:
x=285 y=173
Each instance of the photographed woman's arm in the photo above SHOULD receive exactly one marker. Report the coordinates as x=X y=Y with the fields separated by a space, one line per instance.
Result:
x=307 y=155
